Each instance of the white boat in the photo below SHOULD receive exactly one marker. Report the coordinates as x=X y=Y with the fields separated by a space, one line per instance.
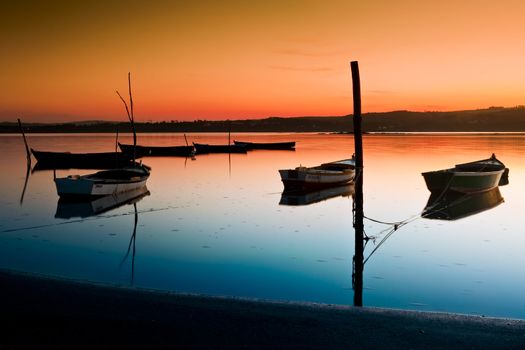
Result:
x=324 y=175
x=103 y=183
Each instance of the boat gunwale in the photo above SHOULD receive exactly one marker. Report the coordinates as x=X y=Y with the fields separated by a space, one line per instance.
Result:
x=454 y=171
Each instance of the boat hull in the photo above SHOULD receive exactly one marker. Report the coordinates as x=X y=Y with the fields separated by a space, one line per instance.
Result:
x=67 y=160
x=205 y=148
x=266 y=146
x=103 y=183
x=157 y=151
x=462 y=181
x=307 y=179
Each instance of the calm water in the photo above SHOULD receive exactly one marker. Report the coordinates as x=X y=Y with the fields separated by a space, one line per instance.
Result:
x=215 y=225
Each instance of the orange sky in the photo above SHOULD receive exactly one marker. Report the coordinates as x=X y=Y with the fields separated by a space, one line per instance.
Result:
x=63 y=60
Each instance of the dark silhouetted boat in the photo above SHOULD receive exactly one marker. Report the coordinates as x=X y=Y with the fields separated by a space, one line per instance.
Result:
x=266 y=145
x=67 y=208
x=452 y=205
x=201 y=148
x=157 y=151
x=324 y=175
x=296 y=198
x=478 y=176
x=68 y=160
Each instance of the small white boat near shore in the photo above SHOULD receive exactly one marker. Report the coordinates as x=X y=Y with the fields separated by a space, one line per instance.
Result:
x=103 y=183
x=324 y=175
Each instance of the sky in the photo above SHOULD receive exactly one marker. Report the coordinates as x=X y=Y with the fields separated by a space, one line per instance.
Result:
x=63 y=60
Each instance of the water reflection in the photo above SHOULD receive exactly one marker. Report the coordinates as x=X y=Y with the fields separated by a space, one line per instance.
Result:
x=218 y=235
x=309 y=197
x=452 y=205
x=26 y=181
x=132 y=247
x=67 y=209
x=446 y=205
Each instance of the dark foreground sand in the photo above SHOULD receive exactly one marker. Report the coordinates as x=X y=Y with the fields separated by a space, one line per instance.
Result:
x=44 y=313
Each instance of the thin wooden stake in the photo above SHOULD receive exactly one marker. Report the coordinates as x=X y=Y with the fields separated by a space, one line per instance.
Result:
x=186 y=140
x=131 y=117
x=358 y=141
x=28 y=154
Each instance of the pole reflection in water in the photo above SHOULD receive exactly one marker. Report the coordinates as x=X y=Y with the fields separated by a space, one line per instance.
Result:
x=28 y=172
x=131 y=247
x=28 y=158
x=357 y=261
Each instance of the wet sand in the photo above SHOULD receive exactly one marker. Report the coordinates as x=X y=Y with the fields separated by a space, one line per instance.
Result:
x=40 y=312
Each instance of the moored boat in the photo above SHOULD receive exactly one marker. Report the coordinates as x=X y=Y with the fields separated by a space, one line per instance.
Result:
x=267 y=145
x=201 y=148
x=157 y=151
x=67 y=160
x=472 y=177
x=324 y=175
x=102 y=183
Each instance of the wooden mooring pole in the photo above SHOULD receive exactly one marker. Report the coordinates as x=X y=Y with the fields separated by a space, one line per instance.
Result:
x=358 y=265
x=28 y=154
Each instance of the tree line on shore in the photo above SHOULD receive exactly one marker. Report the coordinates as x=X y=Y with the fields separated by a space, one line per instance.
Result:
x=493 y=119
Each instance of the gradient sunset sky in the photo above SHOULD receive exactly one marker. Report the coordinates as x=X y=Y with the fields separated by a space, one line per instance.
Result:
x=63 y=60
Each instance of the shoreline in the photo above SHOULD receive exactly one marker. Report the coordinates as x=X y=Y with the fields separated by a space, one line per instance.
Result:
x=326 y=133
x=46 y=312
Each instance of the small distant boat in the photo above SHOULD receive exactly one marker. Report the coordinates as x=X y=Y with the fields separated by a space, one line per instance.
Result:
x=157 y=151
x=453 y=205
x=324 y=175
x=68 y=160
x=296 y=198
x=201 y=148
x=68 y=208
x=266 y=145
x=103 y=183
x=472 y=177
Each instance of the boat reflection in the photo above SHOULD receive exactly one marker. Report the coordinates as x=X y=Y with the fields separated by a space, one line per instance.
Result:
x=297 y=197
x=452 y=205
x=67 y=209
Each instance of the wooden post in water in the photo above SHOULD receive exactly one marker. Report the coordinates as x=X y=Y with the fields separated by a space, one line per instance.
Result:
x=131 y=116
x=357 y=273
x=28 y=154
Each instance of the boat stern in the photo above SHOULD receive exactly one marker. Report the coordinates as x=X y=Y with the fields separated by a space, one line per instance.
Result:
x=73 y=186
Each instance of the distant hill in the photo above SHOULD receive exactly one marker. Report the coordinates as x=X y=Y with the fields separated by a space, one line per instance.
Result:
x=493 y=119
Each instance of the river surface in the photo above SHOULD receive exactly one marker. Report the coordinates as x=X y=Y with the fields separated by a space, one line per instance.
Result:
x=219 y=224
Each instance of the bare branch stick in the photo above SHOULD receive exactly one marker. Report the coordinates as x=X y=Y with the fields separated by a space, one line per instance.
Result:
x=125 y=105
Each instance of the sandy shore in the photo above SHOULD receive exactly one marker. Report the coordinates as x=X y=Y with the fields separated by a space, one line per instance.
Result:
x=39 y=312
